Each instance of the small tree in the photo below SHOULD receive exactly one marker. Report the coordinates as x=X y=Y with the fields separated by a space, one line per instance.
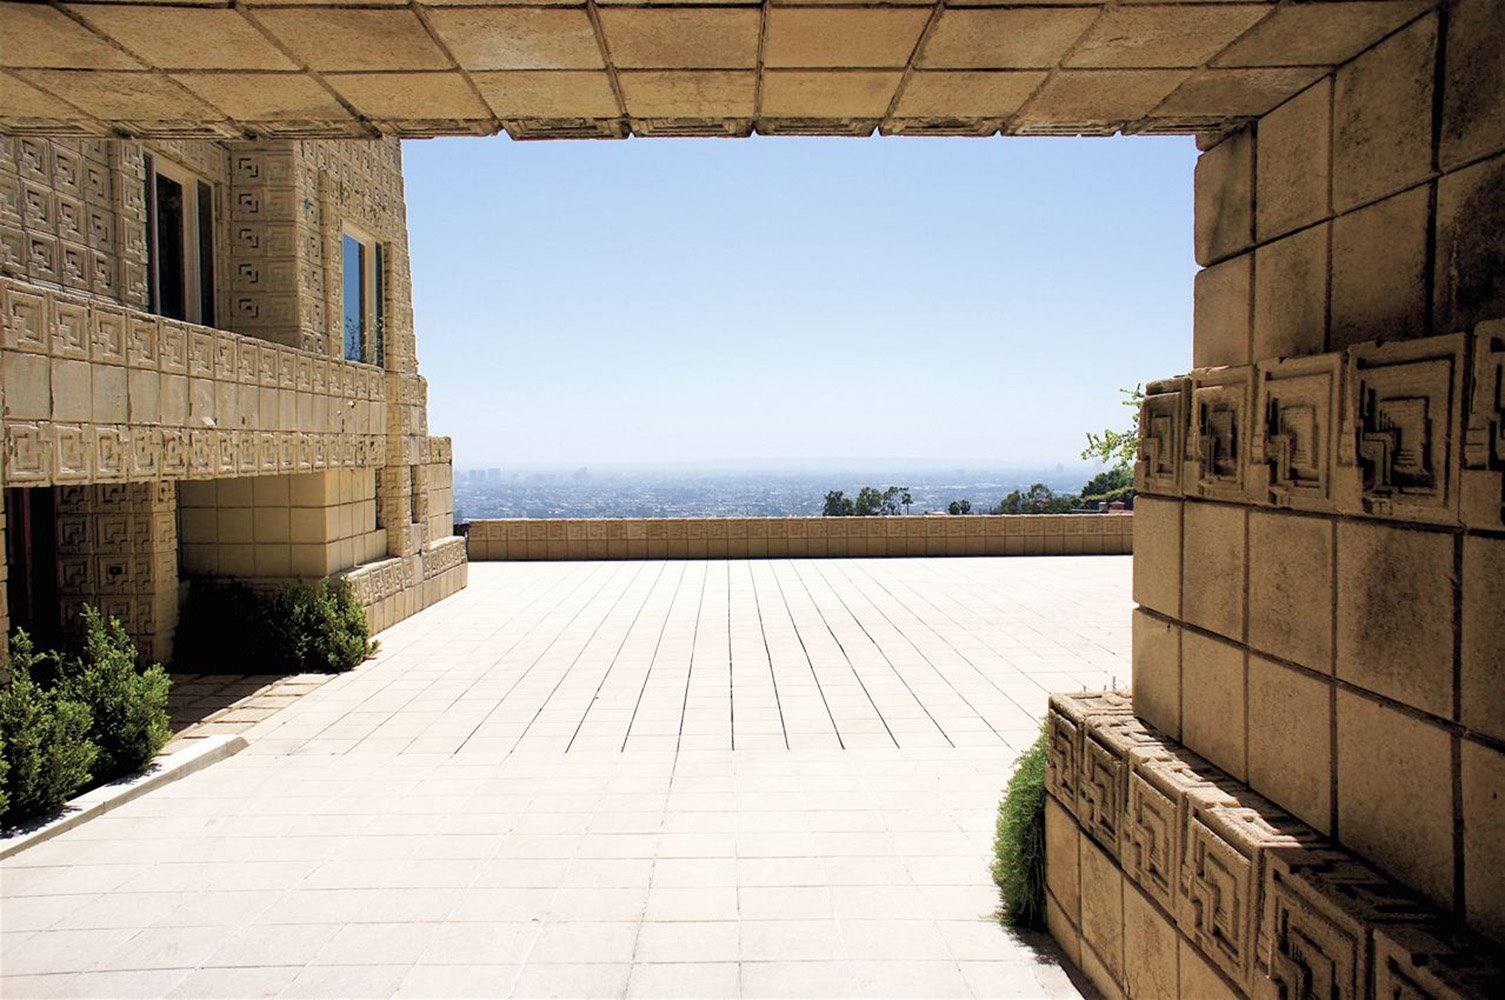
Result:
x=905 y=498
x=959 y=507
x=869 y=502
x=837 y=505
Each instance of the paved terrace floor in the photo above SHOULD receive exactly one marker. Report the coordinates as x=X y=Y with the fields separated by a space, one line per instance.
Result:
x=754 y=778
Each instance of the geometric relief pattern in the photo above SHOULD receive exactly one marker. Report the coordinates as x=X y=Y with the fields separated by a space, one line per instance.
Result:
x=1483 y=477
x=1296 y=401
x=1217 y=451
x=1431 y=962
x=1103 y=787
x=1064 y=726
x=1399 y=432
x=1223 y=859
x=1162 y=436
x=207 y=430
x=1319 y=906
x=1282 y=913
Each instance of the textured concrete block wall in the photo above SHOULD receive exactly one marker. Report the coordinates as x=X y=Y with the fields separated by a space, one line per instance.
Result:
x=798 y=537
x=1320 y=550
x=275 y=527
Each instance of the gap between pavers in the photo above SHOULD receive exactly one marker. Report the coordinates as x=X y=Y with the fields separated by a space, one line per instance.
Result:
x=98 y=801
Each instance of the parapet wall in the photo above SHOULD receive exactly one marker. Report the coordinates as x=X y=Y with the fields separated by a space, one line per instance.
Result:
x=1168 y=878
x=781 y=537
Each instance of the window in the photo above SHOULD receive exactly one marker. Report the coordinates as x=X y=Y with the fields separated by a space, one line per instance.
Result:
x=362 y=279
x=180 y=243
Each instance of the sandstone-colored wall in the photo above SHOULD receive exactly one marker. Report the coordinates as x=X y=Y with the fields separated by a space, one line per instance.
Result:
x=117 y=549
x=1319 y=541
x=778 y=537
x=274 y=527
x=94 y=390
x=1168 y=877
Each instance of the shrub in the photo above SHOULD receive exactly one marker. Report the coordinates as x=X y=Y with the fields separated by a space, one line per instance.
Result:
x=229 y=627
x=45 y=737
x=1019 y=846
x=320 y=627
x=128 y=705
x=4 y=768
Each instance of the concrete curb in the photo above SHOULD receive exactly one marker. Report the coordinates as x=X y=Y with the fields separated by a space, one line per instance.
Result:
x=101 y=800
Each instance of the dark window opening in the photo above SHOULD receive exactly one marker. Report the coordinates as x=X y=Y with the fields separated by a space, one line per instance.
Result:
x=206 y=254
x=171 y=278
x=31 y=564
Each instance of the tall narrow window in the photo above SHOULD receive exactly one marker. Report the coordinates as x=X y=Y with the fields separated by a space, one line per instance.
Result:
x=355 y=299
x=361 y=312
x=180 y=243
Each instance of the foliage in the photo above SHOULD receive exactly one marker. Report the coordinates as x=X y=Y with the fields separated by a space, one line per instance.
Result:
x=1118 y=448
x=870 y=502
x=959 y=507
x=320 y=627
x=1019 y=844
x=1038 y=499
x=1112 y=484
x=231 y=628
x=4 y=769
x=127 y=705
x=838 y=505
x=45 y=738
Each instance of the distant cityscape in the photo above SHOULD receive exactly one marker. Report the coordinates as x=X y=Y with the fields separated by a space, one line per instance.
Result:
x=583 y=492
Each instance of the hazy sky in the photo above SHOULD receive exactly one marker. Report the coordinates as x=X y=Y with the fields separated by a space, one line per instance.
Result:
x=974 y=301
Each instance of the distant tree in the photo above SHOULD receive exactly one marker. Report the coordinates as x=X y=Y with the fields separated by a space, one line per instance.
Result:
x=1118 y=448
x=869 y=502
x=892 y=499
x=1038 y=499
x=837 y=505
x=1112 y=484
x=905 y=498
x=959 y=507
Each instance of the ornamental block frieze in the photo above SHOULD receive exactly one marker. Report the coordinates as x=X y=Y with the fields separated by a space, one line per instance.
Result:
x=1295 y=426
x=1163 y=420
x=1222 y=869
x=1064 y=724
x=1103 y=785
x=1398 y=444
x=1217 y=453
x=1482 y=482
x=28 y=453
x=1430 y=962
x=1319 y=908
x=1160 y=776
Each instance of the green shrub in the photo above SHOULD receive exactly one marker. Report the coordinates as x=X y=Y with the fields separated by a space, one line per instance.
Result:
x=4 y=769
x=128 y=705
x=1019 y=846
x=320 y=627
x=229 y=627
x=45 y=737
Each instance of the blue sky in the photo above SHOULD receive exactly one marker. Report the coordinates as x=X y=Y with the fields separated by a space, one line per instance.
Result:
x=950 y=300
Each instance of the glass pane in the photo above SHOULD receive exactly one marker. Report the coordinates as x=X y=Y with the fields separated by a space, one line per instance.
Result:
x=355 y=299
x=170 y=262
x=206 y=254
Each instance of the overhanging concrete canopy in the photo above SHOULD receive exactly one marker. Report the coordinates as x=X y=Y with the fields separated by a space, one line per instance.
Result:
x=606 y=69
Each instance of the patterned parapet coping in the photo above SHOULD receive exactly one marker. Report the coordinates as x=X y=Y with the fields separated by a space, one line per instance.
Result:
x=781 y=537
x=395 y=588
x=1168 y=878
x=99 y=393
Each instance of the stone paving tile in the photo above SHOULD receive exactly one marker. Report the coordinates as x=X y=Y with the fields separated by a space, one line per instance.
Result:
x=628 y=779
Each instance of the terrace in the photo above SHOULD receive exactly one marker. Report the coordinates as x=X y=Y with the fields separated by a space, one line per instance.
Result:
x=697 y=777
